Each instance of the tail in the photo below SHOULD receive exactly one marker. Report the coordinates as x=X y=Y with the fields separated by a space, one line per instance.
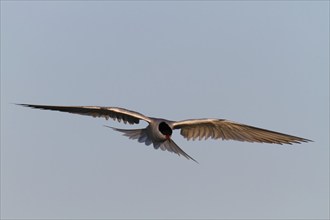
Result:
x=171 y=146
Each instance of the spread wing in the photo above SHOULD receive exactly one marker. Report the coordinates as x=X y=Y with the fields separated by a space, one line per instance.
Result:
x=229 y=130
x=119 y=114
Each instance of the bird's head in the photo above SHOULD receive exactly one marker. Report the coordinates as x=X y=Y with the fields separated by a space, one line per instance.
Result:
x=165 y=130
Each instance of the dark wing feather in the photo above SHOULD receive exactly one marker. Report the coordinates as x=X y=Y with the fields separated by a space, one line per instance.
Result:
x=119 y=114
x=229 y=130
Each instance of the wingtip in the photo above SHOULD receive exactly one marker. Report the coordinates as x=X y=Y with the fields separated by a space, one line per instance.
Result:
x=21 y=104
x=24 y=105
x=109 y=127
x=303 y=140
x=307 y=141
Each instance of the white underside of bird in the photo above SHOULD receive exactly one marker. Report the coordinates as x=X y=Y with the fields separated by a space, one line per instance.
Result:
x=159 y=131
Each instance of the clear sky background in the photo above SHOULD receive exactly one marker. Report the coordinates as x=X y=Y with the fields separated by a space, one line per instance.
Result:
x=261 y=63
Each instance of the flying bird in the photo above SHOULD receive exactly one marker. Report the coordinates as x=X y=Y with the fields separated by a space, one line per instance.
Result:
x=159 y=131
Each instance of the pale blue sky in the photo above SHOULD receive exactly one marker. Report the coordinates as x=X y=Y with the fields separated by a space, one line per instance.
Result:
x=261 y=63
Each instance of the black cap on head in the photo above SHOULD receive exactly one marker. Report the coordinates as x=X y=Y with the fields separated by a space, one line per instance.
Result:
x=165 y=129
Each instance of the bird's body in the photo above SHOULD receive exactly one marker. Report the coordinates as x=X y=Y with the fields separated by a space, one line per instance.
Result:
x=159 y=131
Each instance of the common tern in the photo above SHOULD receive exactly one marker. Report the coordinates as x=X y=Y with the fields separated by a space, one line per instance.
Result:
x=159 y=130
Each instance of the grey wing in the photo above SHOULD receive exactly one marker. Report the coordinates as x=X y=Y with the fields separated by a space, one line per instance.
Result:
x=119 y=114
x=229 y=130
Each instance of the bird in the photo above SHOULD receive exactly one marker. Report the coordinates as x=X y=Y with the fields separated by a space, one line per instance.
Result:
x=159 y=131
